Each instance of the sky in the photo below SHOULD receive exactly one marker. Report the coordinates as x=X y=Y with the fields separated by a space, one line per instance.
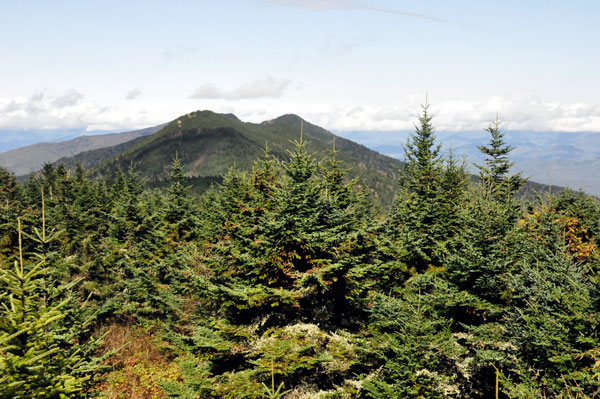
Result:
x=342 y=64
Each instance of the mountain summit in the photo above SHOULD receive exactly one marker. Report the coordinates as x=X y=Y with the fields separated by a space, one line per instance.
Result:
x=208 y=144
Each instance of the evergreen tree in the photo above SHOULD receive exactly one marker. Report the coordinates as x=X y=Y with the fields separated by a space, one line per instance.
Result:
x=412 y=345
x=495 y=173
x=177 y=189
x=266 y=180
x=39 y=358
x=551 y=320
x=128 y=213
x=179 y=214
x=295 y=223
x=425 y=213
x=481 y=250
x=9 y=189
x=423 y=163
x=487 y=235
x=48 y=178
x=10 y=207
x=453 y=190
x=335 y=190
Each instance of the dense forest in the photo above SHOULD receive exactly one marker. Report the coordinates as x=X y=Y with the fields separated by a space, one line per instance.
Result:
x=291 y=281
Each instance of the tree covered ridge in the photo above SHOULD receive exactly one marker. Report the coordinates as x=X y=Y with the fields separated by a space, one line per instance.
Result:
x=208 y=143
x=287 y=282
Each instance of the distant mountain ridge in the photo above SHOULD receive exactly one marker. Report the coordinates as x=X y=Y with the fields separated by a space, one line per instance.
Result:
x=208 y=144
x=32 y=157
x=11 y=139
x=557 y=158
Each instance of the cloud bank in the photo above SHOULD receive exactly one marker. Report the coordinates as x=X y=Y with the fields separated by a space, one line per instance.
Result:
x=264 y=88
x=453 y=115
x=71 y=109
x=67 y=110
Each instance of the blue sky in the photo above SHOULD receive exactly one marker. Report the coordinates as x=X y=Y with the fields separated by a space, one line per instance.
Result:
x=343 y=64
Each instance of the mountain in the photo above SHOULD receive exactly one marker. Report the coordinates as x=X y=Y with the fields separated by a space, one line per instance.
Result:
x=208 y=144
x=32 y=157
x=570 y=159
x=17 y=138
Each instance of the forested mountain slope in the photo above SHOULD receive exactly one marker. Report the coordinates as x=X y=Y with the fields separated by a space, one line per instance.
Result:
x=208 y=144
x=31 y=158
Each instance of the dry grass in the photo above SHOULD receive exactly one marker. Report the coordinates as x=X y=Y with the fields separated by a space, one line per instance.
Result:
x=139 y=366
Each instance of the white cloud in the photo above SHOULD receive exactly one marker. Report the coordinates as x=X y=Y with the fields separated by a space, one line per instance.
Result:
x=68 y=110
x=12 y=107
x=133 y=94
x=208 y=90
x=67 y=99
x=41 y=111
x=453 y=115
x=263 y=88
x=37 y=97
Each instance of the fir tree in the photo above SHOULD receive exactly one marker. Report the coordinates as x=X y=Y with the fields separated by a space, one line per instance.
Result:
x=177 y=189
x=266 y=174
x=10 y=208
x=179 y=214
x=412 y=343
x=295 y=223
x=479 y=261
x=48 y=178
x=9 y=189
x=495 y=173
x=38 y=356
x=423 y=162
x=551 y=320
x=424 y=214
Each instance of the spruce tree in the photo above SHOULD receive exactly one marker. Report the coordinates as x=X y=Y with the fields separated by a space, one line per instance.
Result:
x=266 y=176
x=333 y=180
x=10 y=208
x=39 y=357
x=552 y=320
x=453 y=191
x=411 y=343
x=425 y=210
x=9 y=189
x=295 y=224
x=478 y=261
x=495 y=172
x=48 y=178
x=177 y=189
x=487 y=231
x=179 y=214
x=423 y=163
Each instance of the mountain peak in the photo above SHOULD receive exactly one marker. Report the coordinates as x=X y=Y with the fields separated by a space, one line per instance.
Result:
x=287 y=118
x=232 y=116
x=209 y=143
